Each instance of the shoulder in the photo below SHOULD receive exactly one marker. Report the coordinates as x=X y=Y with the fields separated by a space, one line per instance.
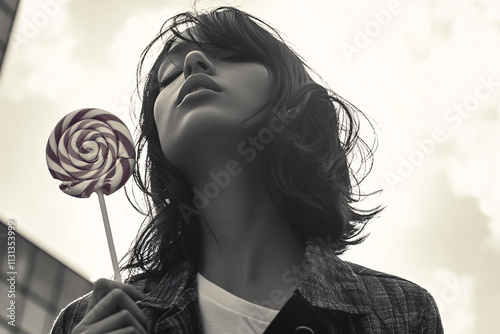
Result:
x=391 y=294
x=391 y=284
x=324 y=267
x=71 y=315
x=381 y=300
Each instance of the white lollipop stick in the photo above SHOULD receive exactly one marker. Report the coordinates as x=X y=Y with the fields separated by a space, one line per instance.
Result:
x=109 y=236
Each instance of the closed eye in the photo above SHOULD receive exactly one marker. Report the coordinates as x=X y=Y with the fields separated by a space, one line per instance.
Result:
x=168 y=80
x=238 y=57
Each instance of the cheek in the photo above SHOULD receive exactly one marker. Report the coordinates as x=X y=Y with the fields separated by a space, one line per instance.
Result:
x=164 y=120
x=163 y=110
x=259 y=83
x=159 y=116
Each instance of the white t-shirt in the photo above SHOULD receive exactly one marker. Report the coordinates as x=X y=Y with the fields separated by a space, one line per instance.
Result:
x=225 y=313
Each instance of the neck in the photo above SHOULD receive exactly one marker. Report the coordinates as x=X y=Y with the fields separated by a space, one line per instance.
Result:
x=255 y=244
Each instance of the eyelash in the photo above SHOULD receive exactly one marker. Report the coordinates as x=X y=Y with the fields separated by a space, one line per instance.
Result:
x=168 y=80
x=165 y=82
x=237 y=57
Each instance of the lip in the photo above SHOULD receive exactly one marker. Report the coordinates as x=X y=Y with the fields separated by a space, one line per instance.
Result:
x=195 y=81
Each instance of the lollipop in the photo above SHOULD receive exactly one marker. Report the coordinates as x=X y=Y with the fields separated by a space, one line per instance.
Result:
x=91 y=150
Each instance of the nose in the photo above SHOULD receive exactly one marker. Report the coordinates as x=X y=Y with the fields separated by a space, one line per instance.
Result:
x=197 y=62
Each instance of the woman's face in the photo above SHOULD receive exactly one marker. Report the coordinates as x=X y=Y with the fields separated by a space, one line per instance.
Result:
x=204 y=97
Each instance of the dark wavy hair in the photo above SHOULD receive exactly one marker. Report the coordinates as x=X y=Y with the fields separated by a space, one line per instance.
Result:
x=309 y=171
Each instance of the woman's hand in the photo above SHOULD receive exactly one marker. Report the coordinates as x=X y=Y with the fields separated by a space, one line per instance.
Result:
x=112 y=309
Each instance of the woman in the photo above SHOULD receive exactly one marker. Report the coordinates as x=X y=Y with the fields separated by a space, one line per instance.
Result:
x=250 y=196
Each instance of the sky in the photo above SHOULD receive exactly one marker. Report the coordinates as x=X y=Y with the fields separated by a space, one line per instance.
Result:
x=426 y=72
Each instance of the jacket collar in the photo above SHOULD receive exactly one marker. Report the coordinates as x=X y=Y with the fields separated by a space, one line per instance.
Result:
x=327 y=282
x=330 y=283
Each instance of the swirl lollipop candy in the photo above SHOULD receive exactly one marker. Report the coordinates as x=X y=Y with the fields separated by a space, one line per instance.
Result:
x=91 y=150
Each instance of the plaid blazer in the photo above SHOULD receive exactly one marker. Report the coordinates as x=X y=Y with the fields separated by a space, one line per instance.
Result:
x=334 y=296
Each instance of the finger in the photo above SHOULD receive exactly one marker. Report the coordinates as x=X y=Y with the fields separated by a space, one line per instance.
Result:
x=126 y=330
x=120 y=321
x=114 y=302
x=133 y=292
x=103 y=286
